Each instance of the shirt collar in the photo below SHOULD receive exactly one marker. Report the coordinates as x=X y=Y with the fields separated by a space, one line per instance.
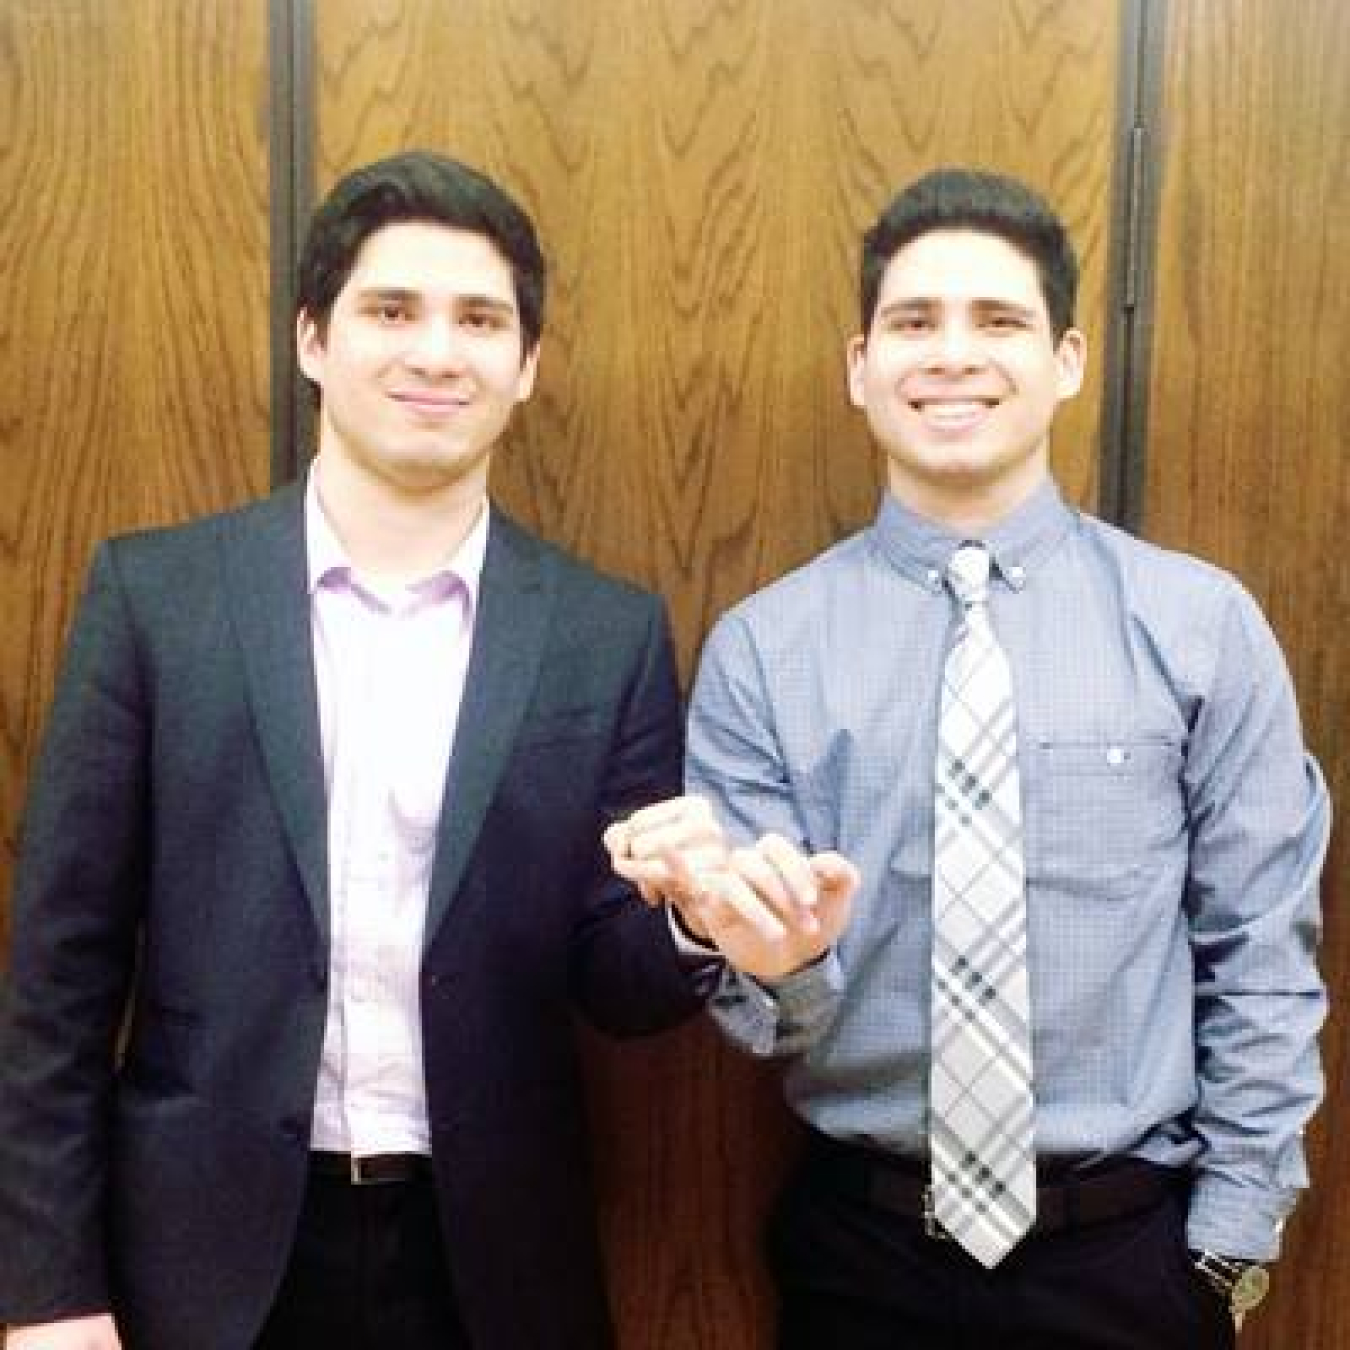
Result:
x=920 y=547
x=328 y=559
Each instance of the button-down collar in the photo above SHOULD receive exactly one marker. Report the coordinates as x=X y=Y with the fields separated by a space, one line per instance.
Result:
x=920 y=548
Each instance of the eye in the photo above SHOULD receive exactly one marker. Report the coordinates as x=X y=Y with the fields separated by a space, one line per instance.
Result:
x=909 y=324
x=390 y=311
x=485 y=320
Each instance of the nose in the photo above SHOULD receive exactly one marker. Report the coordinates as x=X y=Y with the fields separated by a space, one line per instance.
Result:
x=955 y=346
x=434 y=346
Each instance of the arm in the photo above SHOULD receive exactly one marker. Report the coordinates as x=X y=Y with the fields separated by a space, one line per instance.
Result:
x=80 y=883
x=627 y=975
x=736 y=763
x=1259 y=820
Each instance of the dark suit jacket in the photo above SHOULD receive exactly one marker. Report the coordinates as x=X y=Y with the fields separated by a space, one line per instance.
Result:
x=174 y=855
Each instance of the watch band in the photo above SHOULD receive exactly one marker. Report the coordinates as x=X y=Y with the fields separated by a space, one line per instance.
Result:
x=1241 y=1284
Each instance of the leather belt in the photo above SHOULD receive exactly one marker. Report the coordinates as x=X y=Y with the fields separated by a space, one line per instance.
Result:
x=374 y=1169
x=1068 y=1200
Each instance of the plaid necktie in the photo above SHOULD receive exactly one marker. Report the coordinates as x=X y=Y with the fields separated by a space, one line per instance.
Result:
x=983 y=1159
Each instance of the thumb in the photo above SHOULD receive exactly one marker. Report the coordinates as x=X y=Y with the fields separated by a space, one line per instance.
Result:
x=838 y=877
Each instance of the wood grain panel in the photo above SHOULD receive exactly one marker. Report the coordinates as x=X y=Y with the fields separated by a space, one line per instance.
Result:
x=132 y=302
x=701 y=171
x=1247 y=459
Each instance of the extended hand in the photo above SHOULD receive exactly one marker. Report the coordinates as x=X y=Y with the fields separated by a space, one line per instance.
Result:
x=664 y=849
x=772 y=910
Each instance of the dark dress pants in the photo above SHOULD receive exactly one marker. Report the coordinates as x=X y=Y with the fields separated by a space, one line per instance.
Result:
x=851 y=1276
x=367 y=1272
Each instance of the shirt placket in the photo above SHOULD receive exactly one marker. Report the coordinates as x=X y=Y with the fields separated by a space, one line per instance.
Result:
x=368 y=874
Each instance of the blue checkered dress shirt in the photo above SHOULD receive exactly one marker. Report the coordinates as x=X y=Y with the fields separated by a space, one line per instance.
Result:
x=1175 y=832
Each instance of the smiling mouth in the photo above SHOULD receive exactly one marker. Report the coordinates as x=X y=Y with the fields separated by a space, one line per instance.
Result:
x=429 y=404
x=953 y=414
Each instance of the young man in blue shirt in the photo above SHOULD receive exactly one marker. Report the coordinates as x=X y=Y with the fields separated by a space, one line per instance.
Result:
x=1170 y=830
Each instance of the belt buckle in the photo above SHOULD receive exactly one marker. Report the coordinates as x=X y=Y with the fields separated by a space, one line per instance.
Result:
x=357 y=1173
x=932 y=1225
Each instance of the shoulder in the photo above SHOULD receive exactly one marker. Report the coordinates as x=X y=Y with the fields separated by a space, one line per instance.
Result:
x=777 y=614
x=575 y=583
x=1175 y=580
x=280 y=514
x=1189 y=606
x=186 y=566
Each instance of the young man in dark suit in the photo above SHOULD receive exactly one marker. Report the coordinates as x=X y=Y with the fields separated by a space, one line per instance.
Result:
x=311 y=878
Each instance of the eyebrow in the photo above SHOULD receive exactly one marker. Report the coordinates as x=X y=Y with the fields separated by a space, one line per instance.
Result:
x=469 y=300
x=981 y=303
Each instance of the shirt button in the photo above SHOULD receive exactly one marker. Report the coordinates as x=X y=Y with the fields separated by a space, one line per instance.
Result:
x=1116 y=755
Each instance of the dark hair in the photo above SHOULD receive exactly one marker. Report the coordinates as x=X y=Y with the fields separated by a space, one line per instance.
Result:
x=417 y=185
x=988 y=203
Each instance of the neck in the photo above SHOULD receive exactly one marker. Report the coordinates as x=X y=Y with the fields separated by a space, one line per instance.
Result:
x=963 y=507
x=392 y=535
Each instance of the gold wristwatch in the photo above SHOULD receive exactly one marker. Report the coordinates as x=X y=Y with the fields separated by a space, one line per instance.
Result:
x=1241 y=1284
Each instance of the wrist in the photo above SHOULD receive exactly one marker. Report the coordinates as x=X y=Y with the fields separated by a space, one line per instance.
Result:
x=1240 y=1283
x=688 y=930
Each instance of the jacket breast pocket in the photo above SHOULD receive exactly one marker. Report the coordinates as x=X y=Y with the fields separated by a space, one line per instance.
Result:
x=1104 y=816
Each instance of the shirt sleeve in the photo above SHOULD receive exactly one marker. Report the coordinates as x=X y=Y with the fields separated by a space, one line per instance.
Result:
x=1259 y=818
x=734 y=760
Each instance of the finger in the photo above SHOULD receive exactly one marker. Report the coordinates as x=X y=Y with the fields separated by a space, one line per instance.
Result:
x=687 y=813
x=651 y=876
x=669 y=812
x=763 y=877
x=835 y=874
x=727 y=898
x=689 y=866
x=615 y=839
x=768 y=882
x=694 y=832
x=793 y=866
x=839 y=882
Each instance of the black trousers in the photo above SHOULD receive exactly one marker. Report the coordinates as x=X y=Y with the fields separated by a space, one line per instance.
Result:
x=367 y=1272
x=851 y=1276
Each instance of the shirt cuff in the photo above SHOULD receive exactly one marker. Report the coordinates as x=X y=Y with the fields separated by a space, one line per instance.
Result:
x=1230 y=1219
x=783 y=1018
x=695 y=948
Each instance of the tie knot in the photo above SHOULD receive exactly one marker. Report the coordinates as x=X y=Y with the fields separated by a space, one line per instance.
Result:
x=968 y=574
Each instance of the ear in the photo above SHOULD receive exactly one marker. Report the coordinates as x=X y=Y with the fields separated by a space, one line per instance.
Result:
x=529 y=369
x=1071 y=358
x=309 y=349
x=856 y=360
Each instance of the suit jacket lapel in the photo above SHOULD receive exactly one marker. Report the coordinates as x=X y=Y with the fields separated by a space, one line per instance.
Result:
x=514 y=606
x=267 y=575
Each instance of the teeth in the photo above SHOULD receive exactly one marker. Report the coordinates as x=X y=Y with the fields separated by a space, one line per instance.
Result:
x=953 y=412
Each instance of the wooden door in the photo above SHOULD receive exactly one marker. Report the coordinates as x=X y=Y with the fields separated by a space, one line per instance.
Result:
x=701 y=173
x=133 y=304
x=1247 y=448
